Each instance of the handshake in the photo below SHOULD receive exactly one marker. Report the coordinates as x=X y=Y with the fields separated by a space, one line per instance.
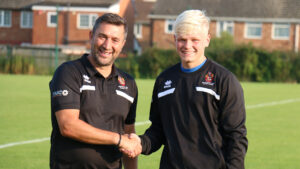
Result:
x=130 y=145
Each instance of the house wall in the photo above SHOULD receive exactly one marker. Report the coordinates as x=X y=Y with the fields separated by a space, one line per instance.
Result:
x=266 y=40
x=75 y=35
x=161 y=39
x=145 y=40
x=15 y=35
x=68 y=31
x=165 y=41
x=213 y=29
x=43 y=34
x=127 y=11
x=298 y=42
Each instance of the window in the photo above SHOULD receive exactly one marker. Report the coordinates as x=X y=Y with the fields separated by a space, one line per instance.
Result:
x=86 y=21
x=281 y=31
x=51 y=19
x=169 y=26
x=224 y=26
x=5 y=18
x=253 y=30
x=137 y=30
x=26 y=19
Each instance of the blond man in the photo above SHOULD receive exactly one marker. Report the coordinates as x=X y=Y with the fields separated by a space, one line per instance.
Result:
x=197 y=110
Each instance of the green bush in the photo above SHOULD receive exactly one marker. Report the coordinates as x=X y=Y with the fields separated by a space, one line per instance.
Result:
x=150 y=64
x=295 y=67
x=17 y=65
x=153 y=61
x=129 y=65
x=249 y=63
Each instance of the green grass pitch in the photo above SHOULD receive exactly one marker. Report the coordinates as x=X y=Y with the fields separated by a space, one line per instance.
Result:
x=273 y=122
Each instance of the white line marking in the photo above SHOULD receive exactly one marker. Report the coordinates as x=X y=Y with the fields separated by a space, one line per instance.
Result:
x=142 y=123
x=24 y=142
x=148 y=122
x=275 y=103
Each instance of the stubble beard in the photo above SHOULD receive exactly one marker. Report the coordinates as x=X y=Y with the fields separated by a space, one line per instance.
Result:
x=96 y=58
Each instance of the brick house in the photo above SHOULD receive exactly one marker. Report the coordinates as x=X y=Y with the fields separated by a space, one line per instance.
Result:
x=142 y=25
x=270 y=24
x=33 y=22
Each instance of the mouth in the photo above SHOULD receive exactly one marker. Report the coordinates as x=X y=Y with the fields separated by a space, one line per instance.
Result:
x=105 y=53
x=187 y=52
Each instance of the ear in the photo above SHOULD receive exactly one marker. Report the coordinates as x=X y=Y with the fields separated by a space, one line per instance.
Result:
x=91 y=35
x=207 y=40
x=123 y=43
x=174 y=37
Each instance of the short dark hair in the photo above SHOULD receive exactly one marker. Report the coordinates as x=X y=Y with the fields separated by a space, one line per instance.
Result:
x=111 y=18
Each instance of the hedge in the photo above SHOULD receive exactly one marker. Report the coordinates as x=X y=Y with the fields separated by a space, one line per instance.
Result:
x=245 y=61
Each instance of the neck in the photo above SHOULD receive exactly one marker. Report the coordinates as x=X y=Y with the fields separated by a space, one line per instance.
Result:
x=190 y=65
x=105 y=71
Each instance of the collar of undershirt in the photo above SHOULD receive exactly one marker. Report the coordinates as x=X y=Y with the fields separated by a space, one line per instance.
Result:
x=192 y=69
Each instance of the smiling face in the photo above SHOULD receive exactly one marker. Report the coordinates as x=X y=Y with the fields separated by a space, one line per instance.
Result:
x=191 y=45
x=107 y=43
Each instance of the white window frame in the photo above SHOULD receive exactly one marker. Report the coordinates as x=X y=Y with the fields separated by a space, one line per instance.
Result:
x=3 y=18
x=91 y=24
x=254 y=25
x=137 y=30
x=281 y=26
x=49 y=14
x=167 y=23
x=29 y=22
x=226 y=25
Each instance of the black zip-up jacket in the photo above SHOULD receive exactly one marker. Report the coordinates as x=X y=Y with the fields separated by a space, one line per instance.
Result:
x=199 y=117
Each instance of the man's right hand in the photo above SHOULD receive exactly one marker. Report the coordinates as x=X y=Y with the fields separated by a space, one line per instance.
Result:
x=130 y=145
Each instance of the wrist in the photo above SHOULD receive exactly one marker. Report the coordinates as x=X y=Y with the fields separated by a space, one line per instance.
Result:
x=119 y=140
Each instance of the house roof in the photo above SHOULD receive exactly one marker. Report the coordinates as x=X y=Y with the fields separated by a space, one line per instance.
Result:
x=143 y=9
x=263 y=9
x=21 y=4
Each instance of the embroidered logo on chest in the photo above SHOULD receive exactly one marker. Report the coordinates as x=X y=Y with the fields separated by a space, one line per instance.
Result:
x=86 y=79
x=122 y=83
x=209 y=78
x=168 y=84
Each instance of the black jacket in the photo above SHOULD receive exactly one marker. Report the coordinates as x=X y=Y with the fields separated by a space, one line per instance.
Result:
x=199 y=117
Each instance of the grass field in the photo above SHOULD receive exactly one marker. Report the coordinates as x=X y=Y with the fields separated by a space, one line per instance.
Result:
x=273 y=122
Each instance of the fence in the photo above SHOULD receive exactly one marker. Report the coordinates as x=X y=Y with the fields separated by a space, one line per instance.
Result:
x=35 y=59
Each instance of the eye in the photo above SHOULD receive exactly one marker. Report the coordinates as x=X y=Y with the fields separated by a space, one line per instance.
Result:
x=100 y=36
x=181 y=40
x=196 y=40
x=116 y=40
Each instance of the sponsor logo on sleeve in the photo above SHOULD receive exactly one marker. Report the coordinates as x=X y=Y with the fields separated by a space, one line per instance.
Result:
x=209 y=79
x=60 y=93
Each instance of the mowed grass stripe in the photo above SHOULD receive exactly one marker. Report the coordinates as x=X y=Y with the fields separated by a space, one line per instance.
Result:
x=273 y=131
x=148 y=122
x=48 y=138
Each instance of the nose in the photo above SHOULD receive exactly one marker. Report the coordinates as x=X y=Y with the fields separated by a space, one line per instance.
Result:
x=107 y=43
x=188 y=44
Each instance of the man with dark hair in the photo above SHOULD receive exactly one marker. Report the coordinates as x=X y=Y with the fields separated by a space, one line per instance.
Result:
x=93 y=105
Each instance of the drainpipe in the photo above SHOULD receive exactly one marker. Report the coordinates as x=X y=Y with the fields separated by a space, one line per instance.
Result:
x=56 y=38
x=297 y=38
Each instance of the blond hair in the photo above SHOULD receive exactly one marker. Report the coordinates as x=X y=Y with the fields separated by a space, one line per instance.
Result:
x=190 y=20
